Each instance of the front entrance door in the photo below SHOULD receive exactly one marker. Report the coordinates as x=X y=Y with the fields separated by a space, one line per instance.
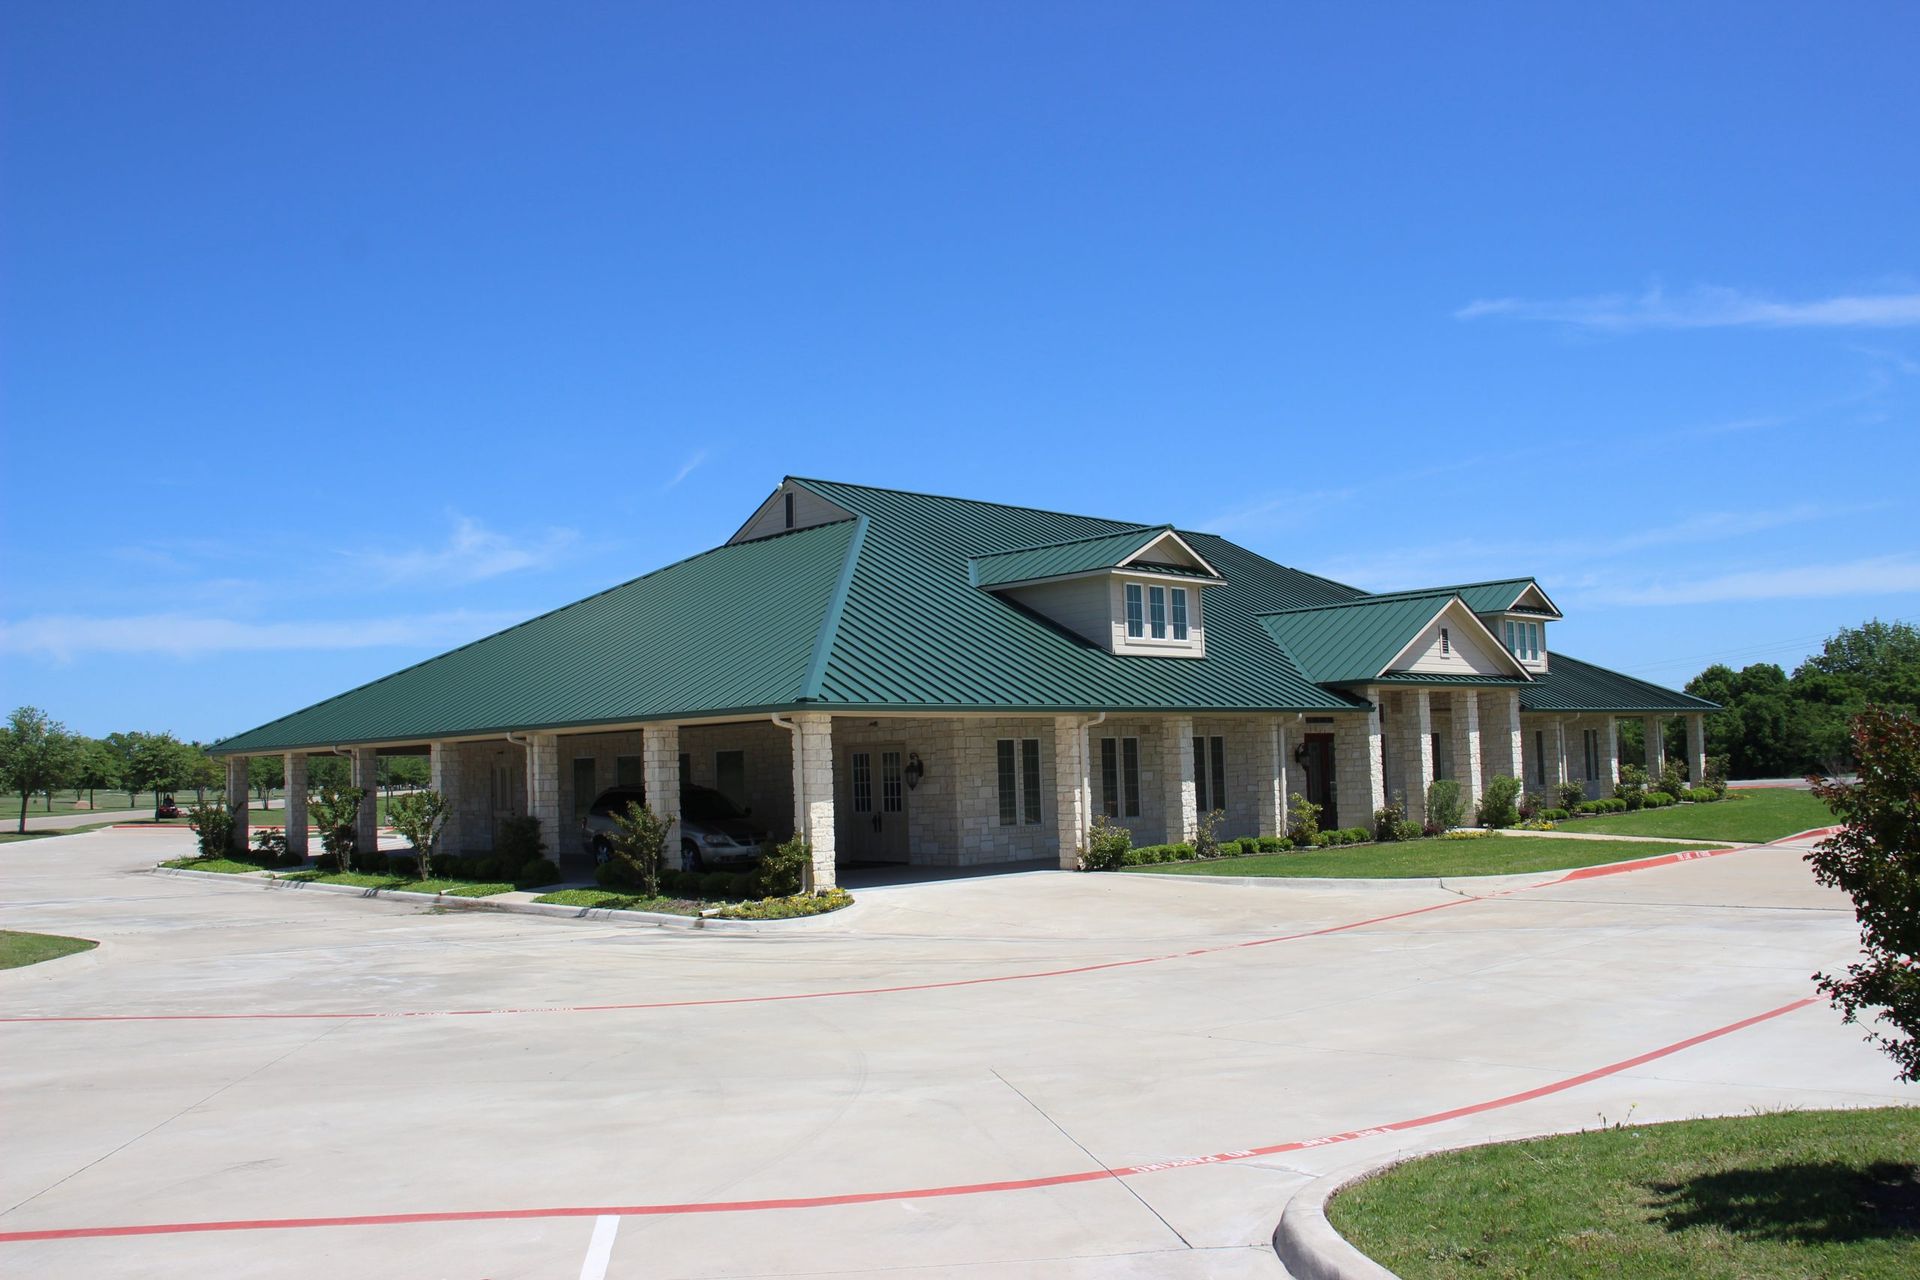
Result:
x=876 y=803
x=1319 y=770
x=506 y=790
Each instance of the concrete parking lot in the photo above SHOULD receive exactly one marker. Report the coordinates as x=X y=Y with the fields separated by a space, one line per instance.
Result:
x=1032 y=1075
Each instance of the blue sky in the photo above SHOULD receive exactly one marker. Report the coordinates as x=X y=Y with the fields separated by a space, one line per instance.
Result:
x=333 y=336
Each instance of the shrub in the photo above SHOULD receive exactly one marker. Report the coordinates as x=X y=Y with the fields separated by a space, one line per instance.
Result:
x=1528 y=805
x=370 y=861
x=1107 y=846
x=1303 y=819
x=1716 y=779
x=335 y=811
x=536 y=872
x=520 y=841
x=213 y=825
x=421 y=819
x=714 y=884
x=270 y=849
x=1321 y=839
x=1672 y=780
x=1571 y=795
x=1206 y=841
x=1387 y=820
x=489 y=868
x=1553 y=815
x=1497 y=808
x=401 y=865
x=1408 y=829
x=790 y=907
x=640 y=846
x=1444 y=805
x=740 y=885
x=1658 y=799
x=1274 y=844
x=1632 y=786
x=783 y=869
x=1180 y=852
x=610 y=875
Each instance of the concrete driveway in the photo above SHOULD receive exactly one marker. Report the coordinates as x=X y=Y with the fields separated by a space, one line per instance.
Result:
x=1033 y=1075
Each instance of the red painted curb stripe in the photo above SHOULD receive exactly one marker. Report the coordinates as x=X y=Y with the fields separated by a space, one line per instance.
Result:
x=916 y=1193
x=1620 y=868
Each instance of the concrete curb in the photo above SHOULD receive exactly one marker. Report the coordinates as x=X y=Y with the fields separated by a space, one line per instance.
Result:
x=1306 y=1243
x=601 y=915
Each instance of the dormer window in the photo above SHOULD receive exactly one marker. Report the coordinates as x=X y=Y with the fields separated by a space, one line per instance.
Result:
x=1179 y=613
x=1136 y=612
x=1158 y=595
x=1523 y=640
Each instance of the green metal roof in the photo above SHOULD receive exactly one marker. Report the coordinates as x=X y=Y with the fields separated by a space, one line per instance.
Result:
x=1482 y=597
x=732 y=629
x=1059 y=559
x=1353 y=641
x=1572 y=685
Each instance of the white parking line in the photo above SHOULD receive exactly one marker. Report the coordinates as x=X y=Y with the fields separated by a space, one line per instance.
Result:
x=600 y=1248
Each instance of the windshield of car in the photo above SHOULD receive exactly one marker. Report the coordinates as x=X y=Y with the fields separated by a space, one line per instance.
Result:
x=616 y=800
x=703 y=804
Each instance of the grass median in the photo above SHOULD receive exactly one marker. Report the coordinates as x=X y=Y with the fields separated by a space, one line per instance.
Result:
x=1744 y=817
x=1491 y=855
x=21 y=949
x=1792 y=1194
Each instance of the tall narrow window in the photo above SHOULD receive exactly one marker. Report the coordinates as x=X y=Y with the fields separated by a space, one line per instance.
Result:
x=1179 y=613
x=1136 y=611
x=1200 y=776
x=1446 y=643
x=1110 y=777
x=860 y=769
x=1590 y=749
x=1533 y=640
x=789 y=508
x=1219 y=746
x=1030 y=779
x=1513 y=645
x=1209 y=774
x=1540 y=756
x=1157 y=598
x=1130 y=771
x=627 y=771
x=890 y=777
x=1009 y=798
x=583 y=791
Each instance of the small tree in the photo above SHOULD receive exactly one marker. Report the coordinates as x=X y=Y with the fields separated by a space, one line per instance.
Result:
x=1498 y=803
x=1303 y=819
x=1875 y=857
x=1632 y=786
x=1206 y=834
x=421 y=819
x=36 y=754
x=98 y=766
x=336 y=811
x=783 y=869
x=640 y=845
x=1444 y=805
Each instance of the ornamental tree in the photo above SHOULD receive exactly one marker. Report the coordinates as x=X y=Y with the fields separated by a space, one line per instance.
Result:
x=421 y=818
x=36 y=754
x=1875 y=857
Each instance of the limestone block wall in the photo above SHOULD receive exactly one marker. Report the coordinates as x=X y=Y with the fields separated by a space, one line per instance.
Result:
x=977 y=834
x=932 y=807
x=1358 y=774
x=484 y=778
x=1150 y=824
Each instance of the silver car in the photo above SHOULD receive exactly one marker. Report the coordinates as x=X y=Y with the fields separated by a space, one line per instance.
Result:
x=713 y=833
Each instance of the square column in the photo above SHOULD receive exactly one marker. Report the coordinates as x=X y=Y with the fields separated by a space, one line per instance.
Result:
x=813 y=791
x=1180 y=799
x=1697 y=750
x=1072 y=787
x=1270 y=778
x=237 y=802
x=295 y=773
x=1359 y=777
x=1500 y=735
x=366 y=776
x=1464 y=733
x=543 y=789
x=1654 y=731
x=445 y=776
x=1412 y=723
x=1610 y=755
x=660 y=774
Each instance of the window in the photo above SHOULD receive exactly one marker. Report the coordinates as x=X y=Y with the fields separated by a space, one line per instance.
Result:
x=1590 y=741
x=1136 y=611
x=1446 y=643
x=1209 y=774
x=627 y=771
x=1540 y=756
x=730 y=776
x=583 y=792
x=1120 y=777
x=1158 y=597
x=860 y=772
x=1030 y=780
x=789 y=508
x=1513 y=643
x=1009 y=801
x=890 y=793
x=1179 y=613
x=1533 y=639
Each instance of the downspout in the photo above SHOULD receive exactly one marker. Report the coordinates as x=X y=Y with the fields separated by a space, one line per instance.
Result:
x=799 y=789
x=1086 y=768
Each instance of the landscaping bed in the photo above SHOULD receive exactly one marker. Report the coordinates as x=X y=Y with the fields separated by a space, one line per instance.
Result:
x=1793 y=1194
x=1479 y=855
x=791 y=907
x=20 y=949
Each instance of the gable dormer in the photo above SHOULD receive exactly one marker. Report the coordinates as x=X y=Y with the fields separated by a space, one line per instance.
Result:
x=1136 y=592
x=792 y=506
x=1521 y=626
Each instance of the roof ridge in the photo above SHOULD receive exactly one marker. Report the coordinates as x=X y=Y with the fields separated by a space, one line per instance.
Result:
x=1068 y=542
x=1456 y=587
x=976 y=502
x=829 y=633
x=1357 y=601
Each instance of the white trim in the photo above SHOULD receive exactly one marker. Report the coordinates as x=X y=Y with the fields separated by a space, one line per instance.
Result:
x=1497 y=643
x=1178 y=541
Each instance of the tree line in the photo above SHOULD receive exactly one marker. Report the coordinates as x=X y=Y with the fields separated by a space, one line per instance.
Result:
x=40 y=757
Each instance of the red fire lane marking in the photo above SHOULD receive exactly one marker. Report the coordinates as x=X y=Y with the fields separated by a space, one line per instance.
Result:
x=914 y=1193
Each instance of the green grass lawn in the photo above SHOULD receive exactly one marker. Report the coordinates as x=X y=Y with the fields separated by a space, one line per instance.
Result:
x=358 y=879
x=1486 y=856
x=1796 y=1194
x=17 y=949
x=1744 y=817
x=619 y=901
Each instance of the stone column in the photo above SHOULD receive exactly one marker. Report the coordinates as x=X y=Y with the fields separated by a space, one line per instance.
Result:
x=1465 y=732
x=1500 y=754
x=1270 y=760
x=1557 y=754
x=543 y=792
x=1609 y=755
x=1415 y=737
x=1653 y=728
x=1360 y=784
x=444 y=776
x=296 y=779
x=237 y=802
x=1180 y=799
x=366 y=776
x=1697 y=749
x=813 y=791
x=1071 y=787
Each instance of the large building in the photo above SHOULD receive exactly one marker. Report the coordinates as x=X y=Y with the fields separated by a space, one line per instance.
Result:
x=915 y=679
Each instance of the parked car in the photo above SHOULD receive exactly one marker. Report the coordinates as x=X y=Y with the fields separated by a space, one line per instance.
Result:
x=713 y=830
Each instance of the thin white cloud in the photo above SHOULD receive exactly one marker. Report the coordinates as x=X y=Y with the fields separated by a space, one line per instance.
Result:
x=1873 y=576
x=471 y=553
x=63 y=637
x=1705 y=307
x=686 y=468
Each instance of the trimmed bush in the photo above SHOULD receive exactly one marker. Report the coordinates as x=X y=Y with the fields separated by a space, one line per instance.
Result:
x=1444 y=805
x=1497 y=802
x=1273 y=844
x=371 y=861
x=1658 y=799
x=1387 y=819
x=714 y=884
x=1181 y=852
x=1632 y=786
x=537 y=872
x=1553 y=815
x=1408 y=829
x=520 y=841
x=1108 y=845
x=1571 y=795
x=740 y=885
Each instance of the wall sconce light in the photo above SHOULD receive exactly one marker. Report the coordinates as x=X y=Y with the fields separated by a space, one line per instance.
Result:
x=1300 y=754
x=915 y=770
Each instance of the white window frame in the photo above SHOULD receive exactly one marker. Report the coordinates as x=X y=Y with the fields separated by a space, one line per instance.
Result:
x=1136 y=611
x=1181 y=629
x=1157 y=611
